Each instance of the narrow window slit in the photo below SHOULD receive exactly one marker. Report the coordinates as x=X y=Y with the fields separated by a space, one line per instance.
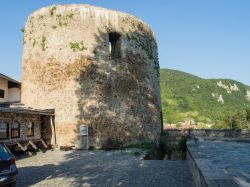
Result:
x=115 y=45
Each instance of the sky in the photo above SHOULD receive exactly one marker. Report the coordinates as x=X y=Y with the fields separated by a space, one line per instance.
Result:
x=209 y=38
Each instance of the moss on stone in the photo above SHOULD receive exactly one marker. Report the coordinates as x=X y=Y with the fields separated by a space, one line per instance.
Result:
x=52 y=10
x=76 y=46
x=34 y=42
x=43 y=43
x=70 y=16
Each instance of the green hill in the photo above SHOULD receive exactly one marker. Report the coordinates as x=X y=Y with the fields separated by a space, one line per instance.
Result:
x=188 y=97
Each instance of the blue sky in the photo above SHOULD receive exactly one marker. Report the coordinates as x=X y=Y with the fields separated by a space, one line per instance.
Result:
x=209 y=38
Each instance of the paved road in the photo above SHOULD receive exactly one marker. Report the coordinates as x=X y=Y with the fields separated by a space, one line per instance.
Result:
x=100 y=168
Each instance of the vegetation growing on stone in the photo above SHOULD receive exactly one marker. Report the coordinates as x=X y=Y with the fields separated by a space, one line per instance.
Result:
x=145 y=41
x=43 y=43
x=157 y=64
x=142 y=41
x=52 y=10
x=140 y=26
x=63 y=19
x=70 y=16
x=34 y=43
x=130 y=79
x=76 y=46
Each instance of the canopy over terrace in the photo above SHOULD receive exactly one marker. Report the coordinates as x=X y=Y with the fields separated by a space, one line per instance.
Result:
x=24 y=127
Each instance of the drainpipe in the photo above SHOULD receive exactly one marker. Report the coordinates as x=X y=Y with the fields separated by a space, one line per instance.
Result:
x=52 y=123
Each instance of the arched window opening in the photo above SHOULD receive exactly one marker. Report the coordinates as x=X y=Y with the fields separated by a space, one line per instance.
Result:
x=15 y=130
x=115 y=45
x=4 y=130
x=30 y=129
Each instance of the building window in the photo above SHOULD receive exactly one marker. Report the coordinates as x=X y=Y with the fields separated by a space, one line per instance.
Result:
x=15 y=130
x=1 y=93
x=30 y=130
x=115 y=45
x=4 y=130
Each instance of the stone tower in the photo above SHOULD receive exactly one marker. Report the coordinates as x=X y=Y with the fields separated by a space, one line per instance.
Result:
x=95 y=67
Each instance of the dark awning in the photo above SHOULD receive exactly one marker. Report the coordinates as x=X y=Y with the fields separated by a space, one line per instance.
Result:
x=49 y=112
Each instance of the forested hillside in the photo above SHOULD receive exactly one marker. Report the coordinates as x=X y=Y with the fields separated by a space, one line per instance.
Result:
x=188 y=97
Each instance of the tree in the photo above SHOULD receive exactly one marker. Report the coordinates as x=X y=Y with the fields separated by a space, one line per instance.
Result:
x=239 y=121
x=248 y=114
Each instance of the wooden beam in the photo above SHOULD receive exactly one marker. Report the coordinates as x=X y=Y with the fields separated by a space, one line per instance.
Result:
x=33 y=145
x=44 y=144
x=53 y=141
x=21 y=147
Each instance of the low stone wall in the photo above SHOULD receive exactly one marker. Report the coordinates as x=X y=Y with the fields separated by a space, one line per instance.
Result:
x=23 y=120
x=197 y=175
x=209 y=133
x=205 y=168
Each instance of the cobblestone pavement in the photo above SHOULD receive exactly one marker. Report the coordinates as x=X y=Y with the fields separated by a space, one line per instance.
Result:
x=100 y=168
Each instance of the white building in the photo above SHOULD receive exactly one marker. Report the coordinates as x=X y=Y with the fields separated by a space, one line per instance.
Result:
x=10 y=90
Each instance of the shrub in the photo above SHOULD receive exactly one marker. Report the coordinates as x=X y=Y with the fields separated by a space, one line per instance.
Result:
x=111 y=144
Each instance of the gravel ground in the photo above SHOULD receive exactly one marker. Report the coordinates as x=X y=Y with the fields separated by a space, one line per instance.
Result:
x=100 y=168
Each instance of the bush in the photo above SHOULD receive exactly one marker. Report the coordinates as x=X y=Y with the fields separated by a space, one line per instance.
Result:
x=145 y=145
x=111 y=144
x=92 y=148
x=182 y=146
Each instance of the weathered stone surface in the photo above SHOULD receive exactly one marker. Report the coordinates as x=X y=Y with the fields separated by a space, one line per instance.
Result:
x=219 y=163
x=67 y=66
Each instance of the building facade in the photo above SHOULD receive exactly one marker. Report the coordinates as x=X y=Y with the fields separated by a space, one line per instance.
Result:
x=21 y=126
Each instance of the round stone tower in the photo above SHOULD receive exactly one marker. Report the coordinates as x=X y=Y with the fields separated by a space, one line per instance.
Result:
x=95 y=67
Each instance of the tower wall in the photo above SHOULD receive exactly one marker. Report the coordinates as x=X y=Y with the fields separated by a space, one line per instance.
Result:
x=95 y=67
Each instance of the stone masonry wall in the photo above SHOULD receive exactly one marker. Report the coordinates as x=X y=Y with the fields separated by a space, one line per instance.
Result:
x=209 y=133
x=23 y=120
x=67 y=66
